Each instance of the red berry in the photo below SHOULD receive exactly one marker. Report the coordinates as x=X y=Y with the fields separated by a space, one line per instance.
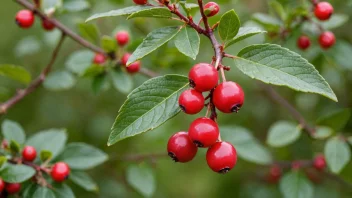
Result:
x=99 y=59
x=191 y=101
x=125 y=58
x=323 y=10
x=25 y=18
x=47 y=25
x=296 y=165
x=180 y=147
x=122 y=38
x=203 y=77
x=29 y=153
x=2 y=185
x=140 y=2
x=204 y=132
x=211 y=9
x=132 y=68
x=303 y=42
x=60 y=171
x=319 y=162
x=12 y=188
x=228 y=97
x=275 y=174
x=327 y=39
x=221 y=157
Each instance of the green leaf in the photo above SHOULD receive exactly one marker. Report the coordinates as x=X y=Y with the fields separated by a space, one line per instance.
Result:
x=3 y=159
x=94 y=70
x=121 y=81
x=336 y=120
x=119 y=12
x=229 y=25
x=76 y=5
x=340 y=53
x=83 y=180
x=29 y=190
x=50 y=6
x=283 y=133
x=62 y=190
x=153 y=41
x=187 y=42
x=53 y=140
x=267 y=21
x=295 y=185
x=13 y=131
x=82 y=156
x=108 y=44
x=79 y=61
x=243 y=33
x=43 y=192
x=154 y=12
x=322 y=132
x=14 y=146
x=89 y=32
x=337 y=154
x=100 y=83
x=15 y=73
x=27 y=46
x=59 y=80
x=276 y=65
x=142 y=179
x=148 y=106
x=279 y=9
x=45 y=155
x=16 y=173
x=335 y=21
x=246 y=145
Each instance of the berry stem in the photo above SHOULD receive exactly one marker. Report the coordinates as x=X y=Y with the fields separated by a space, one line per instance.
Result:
x=222 y=73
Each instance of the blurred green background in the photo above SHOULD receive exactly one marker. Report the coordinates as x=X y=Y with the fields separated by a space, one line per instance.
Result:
x=89 y=117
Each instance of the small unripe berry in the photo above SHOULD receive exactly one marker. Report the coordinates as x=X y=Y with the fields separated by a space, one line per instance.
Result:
x=228 y=97
x=2 y=185
x=327 y=40
x=323 y=11
x=204 y=132
x=274 y=174
x=303 y=42
x=203 y=77
x=319 y=162
x=60 y=171
x=99 y=59
x=211 y=9
x=29 y=153
x=132 y=68
x=191 y=101
x=180 y=147
x=12 y=188
x=122 y=38
x=25 y=18
x=47 y=25
x=140 y=2
x=221 y=157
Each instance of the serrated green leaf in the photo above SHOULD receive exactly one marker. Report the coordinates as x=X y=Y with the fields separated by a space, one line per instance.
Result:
x=82 y=156
x=43 y=192
x=76 y=5
x=121 y=81
x=16 y=173
x=153 y=41
x=337 y=154
x=13 y=131
x=15 y=73
x=14 y=146
x=322 y=132
x=246 y=145
x=45 y=155
x=79 y=61
x=229 y=25
x=336 y=120
x=267 y=21
x=89 y=32
x=283 y=133
x=59 y=80
x=83 y=180
x=142 y=179
x=108 y=44
x=154 y=12
x=94 y=70
x=119 y=12
x=62 y=190
x=276 y=65
x=148 y=106
x=335 y=21
x=53 y=140
x=187 y=42
x=295 y=185
x=243 y=33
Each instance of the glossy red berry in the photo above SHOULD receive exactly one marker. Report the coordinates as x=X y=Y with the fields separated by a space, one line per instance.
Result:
x=203 y=132
x=319 y=162
x=99 y=59
x=125 y=58
x=274 y=174
x=323 y=11
x=122 y=38
x=140 y=2
x=211 y=9
x=12 y=188
x=60 y=171
x=180 y=147
x=221 y=157
x=303 y=42
x=228 y=97
x=2 y=185
x=25 y=18
x=132 y=68
x=47 y=25
x=203 y=77
x=191 y=101
x=327 y=40
x=29 y=153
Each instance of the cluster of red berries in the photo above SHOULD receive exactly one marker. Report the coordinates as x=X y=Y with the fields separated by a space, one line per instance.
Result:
x=204 y=132
x=122 y=38
x=25 y=19
x=323 y=12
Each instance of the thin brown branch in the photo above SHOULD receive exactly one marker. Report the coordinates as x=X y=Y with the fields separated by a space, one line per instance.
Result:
x=35 y=84
x=148 y=72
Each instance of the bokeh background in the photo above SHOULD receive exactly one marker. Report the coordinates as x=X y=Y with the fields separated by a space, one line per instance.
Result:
x=88 y=117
